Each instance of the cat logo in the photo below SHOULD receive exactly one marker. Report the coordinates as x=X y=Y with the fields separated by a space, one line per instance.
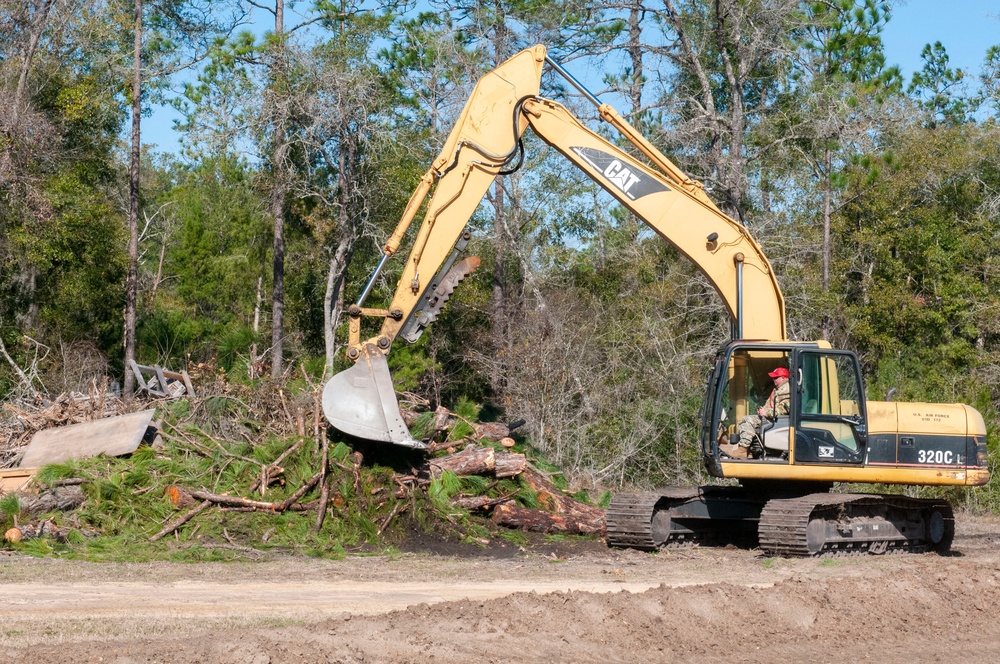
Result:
x=631 y=182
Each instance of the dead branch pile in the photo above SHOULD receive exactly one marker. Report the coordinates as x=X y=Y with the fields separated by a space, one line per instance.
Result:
x=25 y=418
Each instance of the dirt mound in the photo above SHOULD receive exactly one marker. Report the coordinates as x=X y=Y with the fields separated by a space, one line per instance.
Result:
x=711 y=605
x=902 y=619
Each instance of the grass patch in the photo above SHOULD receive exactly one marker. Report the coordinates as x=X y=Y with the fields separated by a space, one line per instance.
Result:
x=831 y=562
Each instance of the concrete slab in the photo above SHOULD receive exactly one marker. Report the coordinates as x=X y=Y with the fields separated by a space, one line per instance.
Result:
x=113 y=436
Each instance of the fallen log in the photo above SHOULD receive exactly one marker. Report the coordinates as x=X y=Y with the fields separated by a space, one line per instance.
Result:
x=473 y=460
x=553 y=499
x=179 y=496
x=511 y=515
x=509 y=464
x=55 y=499
x=492 y=431
x=44 y=528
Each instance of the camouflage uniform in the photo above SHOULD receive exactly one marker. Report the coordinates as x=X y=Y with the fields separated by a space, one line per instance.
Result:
x=777 y=404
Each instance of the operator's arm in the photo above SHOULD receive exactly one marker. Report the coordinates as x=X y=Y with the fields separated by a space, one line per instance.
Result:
x=778 y=403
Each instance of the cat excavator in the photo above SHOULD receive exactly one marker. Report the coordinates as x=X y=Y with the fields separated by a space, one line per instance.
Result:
x=831 y=433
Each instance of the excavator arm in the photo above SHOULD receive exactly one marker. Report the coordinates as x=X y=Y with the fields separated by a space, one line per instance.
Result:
x=486 y=142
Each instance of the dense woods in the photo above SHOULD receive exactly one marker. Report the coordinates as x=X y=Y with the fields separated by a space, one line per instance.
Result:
x=876 y=198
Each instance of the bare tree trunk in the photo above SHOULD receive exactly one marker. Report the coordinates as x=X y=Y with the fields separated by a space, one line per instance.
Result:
x=499 y=296
x=36 y=30
x=721 y=50
x=827 y=243
x=336 y=275
x=333 y=300
x=132 y=280
x=159 y=270
x=278 y=194
x=634 y=49
x=729 y=35
x=29 y=272
x=827 y=193
x=254 y=369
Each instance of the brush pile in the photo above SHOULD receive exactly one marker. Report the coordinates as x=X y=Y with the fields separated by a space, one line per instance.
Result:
x=24 y=419
x=239 y=471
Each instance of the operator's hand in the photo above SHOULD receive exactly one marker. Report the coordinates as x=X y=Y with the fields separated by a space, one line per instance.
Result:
x=762 y=411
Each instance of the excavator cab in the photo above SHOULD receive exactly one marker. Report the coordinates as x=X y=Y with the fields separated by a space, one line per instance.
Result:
x=743 y=388
x=826 y=421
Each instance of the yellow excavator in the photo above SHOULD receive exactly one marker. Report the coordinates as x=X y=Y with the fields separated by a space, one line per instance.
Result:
x=830 y=433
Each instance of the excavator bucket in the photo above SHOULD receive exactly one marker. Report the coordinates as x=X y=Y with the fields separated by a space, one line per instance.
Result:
x=361 y=402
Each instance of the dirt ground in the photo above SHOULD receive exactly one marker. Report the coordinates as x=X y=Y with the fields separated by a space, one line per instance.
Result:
x=547 y=602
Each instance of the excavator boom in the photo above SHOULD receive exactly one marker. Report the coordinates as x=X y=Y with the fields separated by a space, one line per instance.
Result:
x=485 y=143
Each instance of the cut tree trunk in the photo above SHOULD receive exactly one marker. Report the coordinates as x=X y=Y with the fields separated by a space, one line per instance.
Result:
x=44 y=528
x=509 y=464
x=476 y=460
x=61 y=498
x=511 y=515
x=553 y=499
x=473 y=460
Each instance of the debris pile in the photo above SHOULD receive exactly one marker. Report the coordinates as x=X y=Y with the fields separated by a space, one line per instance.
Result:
x=221 y=478
x=25 y=419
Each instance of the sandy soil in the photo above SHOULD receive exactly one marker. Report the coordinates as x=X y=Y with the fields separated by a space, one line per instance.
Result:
x=554 y=602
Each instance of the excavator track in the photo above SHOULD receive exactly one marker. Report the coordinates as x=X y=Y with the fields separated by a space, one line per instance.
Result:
x=797 y=525
x=679 y=516
x=630 y=521
x=843 y=524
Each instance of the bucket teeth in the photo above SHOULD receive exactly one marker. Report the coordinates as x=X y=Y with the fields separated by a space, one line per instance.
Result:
x=437 y=299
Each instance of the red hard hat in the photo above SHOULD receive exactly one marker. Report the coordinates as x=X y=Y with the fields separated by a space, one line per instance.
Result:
x=779 y=372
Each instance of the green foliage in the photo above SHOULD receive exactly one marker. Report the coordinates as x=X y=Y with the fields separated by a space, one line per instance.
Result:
x=409 y=364
x=126 y=503
x=474 y=484
x=441 y=490
x=422 y=427
x=167 y=336
x=936 y=86
x=515 y=537
x=918 y=244
x=217 y=252
x=468 y=412
x=10 y=504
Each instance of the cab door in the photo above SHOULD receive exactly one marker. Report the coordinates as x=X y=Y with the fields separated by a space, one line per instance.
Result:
x=828 y=408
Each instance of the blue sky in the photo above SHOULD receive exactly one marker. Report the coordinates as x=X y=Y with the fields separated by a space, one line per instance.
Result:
x=966 y=28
